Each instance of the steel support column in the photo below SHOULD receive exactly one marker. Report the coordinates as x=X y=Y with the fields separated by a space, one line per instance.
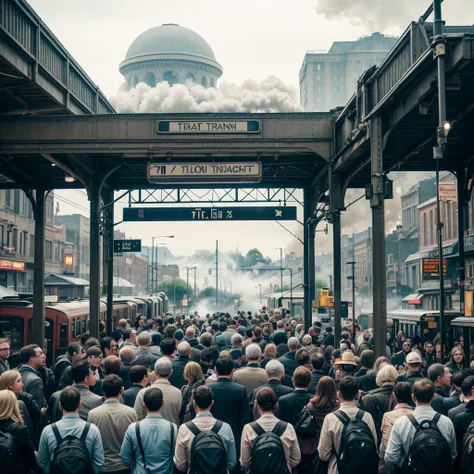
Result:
x=309 y=258
x=94 y=239
x=379 y=286
x=462 y=214
x=108 y=257
x=38 y=328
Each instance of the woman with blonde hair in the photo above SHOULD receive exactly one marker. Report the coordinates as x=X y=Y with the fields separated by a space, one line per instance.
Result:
x=193 y=374
x=269 y=353
x=369 y=381
x=11 y=422
x=457 y=360
x=29 y=410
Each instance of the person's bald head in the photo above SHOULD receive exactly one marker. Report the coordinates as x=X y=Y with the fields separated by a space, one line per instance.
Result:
x=184 y=349
x=190 y=332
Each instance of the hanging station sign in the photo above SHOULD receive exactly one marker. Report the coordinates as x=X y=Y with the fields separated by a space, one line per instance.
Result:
x=208 y=126
x=430 y=268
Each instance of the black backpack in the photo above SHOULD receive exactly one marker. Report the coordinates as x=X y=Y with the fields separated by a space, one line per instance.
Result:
x=208 y=452
x=268 y=455
x=467 y=454
x=8 y=452
x=306 y=426
x=429 y=452
x=357 y=451
x=71 y=455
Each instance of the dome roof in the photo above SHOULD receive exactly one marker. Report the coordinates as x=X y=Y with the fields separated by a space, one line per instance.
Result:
x=169 y=39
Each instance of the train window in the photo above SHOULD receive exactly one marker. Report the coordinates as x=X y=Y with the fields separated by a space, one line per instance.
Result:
x=83 y=325
x=63 y=335
x=87 y=324
x=11 y=328
x=78 y=327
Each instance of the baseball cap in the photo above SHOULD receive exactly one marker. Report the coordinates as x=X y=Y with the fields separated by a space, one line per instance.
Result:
x=413 y=358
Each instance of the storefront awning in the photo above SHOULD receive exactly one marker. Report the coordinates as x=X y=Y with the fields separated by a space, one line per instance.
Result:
x=122 y=283
x=414 y=298
x=61 y=280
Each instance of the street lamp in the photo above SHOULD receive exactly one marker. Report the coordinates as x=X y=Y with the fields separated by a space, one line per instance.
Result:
x=352 y=277
x=281 y=269
x=155 y=258
x=187 y=282
x=399 y=273
x=260 y=285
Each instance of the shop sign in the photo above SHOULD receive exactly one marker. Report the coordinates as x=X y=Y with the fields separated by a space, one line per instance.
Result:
x=13 y=265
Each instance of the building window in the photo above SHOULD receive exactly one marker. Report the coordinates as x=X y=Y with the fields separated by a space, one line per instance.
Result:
x=14 y=242
x=150 y=79
x=190 y=77
x=204 y=81
x=212 y=83
x=49 y=250
x=32 y=245
x=134 y=81
x=170 y=77
x=8 y=198
x=431 y=241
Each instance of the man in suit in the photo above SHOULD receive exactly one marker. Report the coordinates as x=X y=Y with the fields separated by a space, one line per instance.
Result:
x=231 y=403
x=288 y=360
x=252 y=375
x=317 y=361
x=179 y=363
x=139 y=378
x=289 y=406
x=275 y=373
x=143 y=355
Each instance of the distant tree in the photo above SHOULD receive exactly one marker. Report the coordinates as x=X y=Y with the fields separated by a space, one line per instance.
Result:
x=175 y=287
x=254 y=256
x=208 y=292
x=321 y=283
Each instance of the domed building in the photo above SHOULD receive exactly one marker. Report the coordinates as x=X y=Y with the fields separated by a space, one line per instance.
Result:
x=170 y=53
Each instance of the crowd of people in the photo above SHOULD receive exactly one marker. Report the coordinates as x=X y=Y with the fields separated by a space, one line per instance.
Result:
x=253 y=392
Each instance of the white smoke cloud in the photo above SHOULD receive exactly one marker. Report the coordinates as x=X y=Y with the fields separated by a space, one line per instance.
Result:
x=269 y=95
x=378 y=15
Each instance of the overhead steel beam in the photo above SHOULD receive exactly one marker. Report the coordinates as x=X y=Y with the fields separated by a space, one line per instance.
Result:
x=22 y=178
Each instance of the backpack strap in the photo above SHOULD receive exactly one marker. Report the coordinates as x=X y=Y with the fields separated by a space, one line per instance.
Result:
x=140 y=445
x=279 y=428
x=217 y=426
x=342 y=416
x=172 y=439
x=193 y=428
x=359 y=415
x=436 y=418
x=257 y=428
x=85 y=432
x=56 y=433
x=413 y=421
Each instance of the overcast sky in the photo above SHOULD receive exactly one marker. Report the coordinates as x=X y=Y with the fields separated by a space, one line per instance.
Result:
x=250 y=39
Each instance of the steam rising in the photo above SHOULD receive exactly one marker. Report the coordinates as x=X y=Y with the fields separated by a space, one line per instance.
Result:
x=377 y=15
x=269 y=95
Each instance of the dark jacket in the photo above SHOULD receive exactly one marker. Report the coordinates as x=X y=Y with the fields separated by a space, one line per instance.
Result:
x=410 y=377
x=279 y=389
x=279 y=337
x=443 y=403
x=289 y=362
x=316 y=376
x=368 y=382
x=145 y=357
x=328 y=339
x=377 y=403
x=26 y=459
x=29 y=423
x=66 y=379
x=289 y=406
x=177 y=377
x=231 y=405
x=49 y=382
x=461 y=424
x=60 y=366
x=362 y=371
x=33 y=384
x=124 y=374
x=129 y=396
x=453 y=412
x=398 y=358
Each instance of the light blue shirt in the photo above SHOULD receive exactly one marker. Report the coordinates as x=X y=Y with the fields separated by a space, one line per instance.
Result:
x=155 y=433
x=403 y=433
x=70 y=424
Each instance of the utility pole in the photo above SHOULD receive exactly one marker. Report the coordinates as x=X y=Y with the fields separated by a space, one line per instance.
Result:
x=217 y=275
x=281 y=269
x=352 y=277
x=194 y=291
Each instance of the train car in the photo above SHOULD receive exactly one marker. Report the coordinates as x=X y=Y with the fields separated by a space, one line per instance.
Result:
x=65 y=323
x=165 y=302
x=462 y=334
x=123 y=308
x=291 y=301
x=420 y=322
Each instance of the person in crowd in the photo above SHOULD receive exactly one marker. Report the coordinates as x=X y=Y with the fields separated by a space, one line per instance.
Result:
x=279 y=336
x=108 y=346
x=463 y=420
x=126 y=356
x=231 y=403
x=441 y=378
x=317 y=363
x=331 y=432
x=457 y=360
x=288 y=360
x=143 y=355
x=398 y=359
x=179 y=363
x=324 y=402
x=11 y=422
x=303 y=358
x=429 y=354
x=129 y=337
x=206 y=362
x=328 y=338
x=29 y=409
x=168 y=348
x=328 y=355
x=413 y=363
x=4 y=355
x=94 y=356
x=74 y=353
x=155 y=344
x=191 y=339
x=49 y=381
x=110 y=365
x=266 y=402
x=84 y=380
x=252 y=375
x=71 y=424
x=195 y=378
x=403 y=430
x=369 y=381
x=32 y=358
x=346 y=366
x=113 y=419
x=403 y=406
x=289 y=406
x=378 y=402
x=367 y=359
x=269 y=353
x=307 y=342
x=204 y=421
x=139 y=379
x=154 y=430
x=171 y=395
x=365 y=344
x=275 y=373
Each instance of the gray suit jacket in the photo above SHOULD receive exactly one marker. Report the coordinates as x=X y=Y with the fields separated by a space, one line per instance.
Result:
x=89 y=401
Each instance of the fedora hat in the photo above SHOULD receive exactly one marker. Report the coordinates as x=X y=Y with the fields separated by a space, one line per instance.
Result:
x=348 y=358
